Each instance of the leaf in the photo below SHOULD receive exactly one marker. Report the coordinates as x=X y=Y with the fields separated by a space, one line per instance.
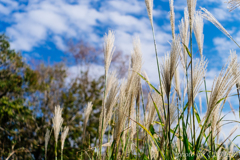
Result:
x=149 y=83
x=190 y=55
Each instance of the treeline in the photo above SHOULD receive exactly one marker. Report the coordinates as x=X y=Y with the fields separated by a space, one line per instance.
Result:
x=29 y=93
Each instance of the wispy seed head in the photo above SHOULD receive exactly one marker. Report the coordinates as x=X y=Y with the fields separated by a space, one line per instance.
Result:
x=64 y=136
x=57 y=122
x=198 y=31
x=208 y=16
x=172 y=17
x=233 y=4
x=108 y=49
x=149 y=5
x=191 y=10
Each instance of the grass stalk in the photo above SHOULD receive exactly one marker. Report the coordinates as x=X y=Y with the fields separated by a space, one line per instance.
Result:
x=193 y=114
x=56 y=151
x=159 y=74
x=238 y=99
x=61 y=154
x=169 y=129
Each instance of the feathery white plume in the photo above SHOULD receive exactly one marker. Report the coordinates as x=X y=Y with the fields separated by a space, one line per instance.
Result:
x=47 y=137
x=169 y=64
x=208 y=16
x=149 y=5
x=184 y=34
x=233 y=4
x=177 y=83
x=108 y=49
x=87 y=113
x=172 y=17
x=57 y=122
x=199 y=70
x=198 y=31
x=191 y=10
x=64 y=136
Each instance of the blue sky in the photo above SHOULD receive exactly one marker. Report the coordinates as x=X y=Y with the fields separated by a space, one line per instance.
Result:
x=40 y=28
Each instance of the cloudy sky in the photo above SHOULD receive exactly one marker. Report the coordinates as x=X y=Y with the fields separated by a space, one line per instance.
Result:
x=40 y=28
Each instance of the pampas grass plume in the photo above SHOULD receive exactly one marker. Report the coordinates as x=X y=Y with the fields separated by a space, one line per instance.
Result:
x=57 y=122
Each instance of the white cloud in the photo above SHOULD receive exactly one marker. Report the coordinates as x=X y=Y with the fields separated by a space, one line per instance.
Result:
x=60 y=43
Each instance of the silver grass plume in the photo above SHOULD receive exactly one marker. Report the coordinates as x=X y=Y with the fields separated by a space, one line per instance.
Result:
x=129 y=90
x=47 y=137
x=233 y=4
x=177 y=83
x=169 y=65
x=152 y=113
x=191 y=10
x=109 y=103
x=149 y=5
x=121 y=111
x=87 y=113
x=234 y=58
x=185 y=36
x=108 y=49
x=198 y=31
x=64 y=136
x=215 y=118
x=199 y=71
x=208 y=16
x=173 y=108
x=57 y=122
x=133 y=82
x=222 y=86
x=111 y=79
x=172 y=17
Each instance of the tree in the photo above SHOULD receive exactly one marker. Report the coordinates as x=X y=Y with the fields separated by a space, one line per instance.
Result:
x=16 y=82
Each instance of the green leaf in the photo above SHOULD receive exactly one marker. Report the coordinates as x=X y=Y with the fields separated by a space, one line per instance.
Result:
x=190 y=55
x=149 y=83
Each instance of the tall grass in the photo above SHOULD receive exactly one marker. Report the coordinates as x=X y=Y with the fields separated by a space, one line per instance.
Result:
x=161 y=124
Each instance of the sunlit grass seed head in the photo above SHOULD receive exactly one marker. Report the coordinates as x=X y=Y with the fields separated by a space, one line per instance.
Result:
x=199 y=71
x=57 y=122
x=177 y=83
x=47 y=137
x=87 y=113
x=223 y=85
x=149 y=5
x=208 y=16
x=108 y=49
x=198 y=31
x=185 y=36
x=172 y=17
x=191 y=10
x=64 y=136
x=169 y=64
x=233 y=4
